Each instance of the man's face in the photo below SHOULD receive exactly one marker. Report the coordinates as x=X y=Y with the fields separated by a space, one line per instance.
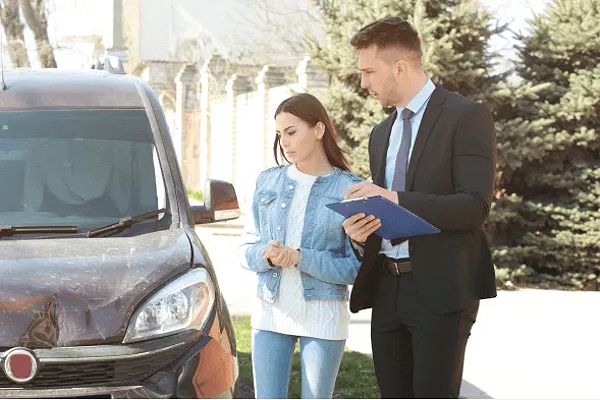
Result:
x=378 y=75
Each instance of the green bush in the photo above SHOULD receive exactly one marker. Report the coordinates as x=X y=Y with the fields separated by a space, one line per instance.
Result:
x=545 y=224
x=195 y=194
x=455 y=35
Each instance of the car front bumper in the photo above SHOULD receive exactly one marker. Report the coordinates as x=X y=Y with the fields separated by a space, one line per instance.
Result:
x=184 y=365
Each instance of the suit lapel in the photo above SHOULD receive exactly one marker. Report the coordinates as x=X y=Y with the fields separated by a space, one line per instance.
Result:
x=432 y=112
x=380 y=149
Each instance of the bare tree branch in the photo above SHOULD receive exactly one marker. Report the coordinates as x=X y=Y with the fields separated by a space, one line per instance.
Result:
x=13 y=28
x=34 y=12
x=283 y=27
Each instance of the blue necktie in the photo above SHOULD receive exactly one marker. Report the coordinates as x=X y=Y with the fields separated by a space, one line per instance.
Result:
x=399 y=181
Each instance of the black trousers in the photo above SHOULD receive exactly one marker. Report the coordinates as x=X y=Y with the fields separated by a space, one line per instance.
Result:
x=417 y=353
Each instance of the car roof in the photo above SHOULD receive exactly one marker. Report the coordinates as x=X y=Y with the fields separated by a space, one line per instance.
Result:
x=61 y=89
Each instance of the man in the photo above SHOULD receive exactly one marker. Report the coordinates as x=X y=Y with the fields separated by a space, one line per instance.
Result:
x=435 y=155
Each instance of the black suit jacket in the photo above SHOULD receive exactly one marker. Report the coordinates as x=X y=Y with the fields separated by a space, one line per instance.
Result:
x=449 y=183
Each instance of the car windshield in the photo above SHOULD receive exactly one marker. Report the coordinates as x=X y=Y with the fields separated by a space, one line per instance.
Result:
x=79 y=167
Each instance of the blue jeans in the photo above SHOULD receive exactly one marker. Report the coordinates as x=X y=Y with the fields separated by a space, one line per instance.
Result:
x=272 y=363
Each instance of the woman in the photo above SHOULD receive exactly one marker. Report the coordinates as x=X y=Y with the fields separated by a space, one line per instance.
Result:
x=303 y=259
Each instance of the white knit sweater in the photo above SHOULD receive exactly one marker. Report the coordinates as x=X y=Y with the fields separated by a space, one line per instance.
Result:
x=291 y=314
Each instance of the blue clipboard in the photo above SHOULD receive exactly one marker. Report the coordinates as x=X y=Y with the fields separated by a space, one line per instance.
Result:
x=396 y=221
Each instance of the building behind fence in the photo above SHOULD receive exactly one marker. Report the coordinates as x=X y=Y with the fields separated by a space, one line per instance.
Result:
x=222 y=122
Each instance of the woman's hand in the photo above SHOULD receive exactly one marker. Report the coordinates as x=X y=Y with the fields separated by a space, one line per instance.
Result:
x=281 y=255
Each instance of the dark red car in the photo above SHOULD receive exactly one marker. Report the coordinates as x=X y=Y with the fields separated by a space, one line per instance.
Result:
x=105 y=289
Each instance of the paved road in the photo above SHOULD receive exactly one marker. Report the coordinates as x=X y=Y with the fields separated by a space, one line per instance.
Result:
x=526 y=344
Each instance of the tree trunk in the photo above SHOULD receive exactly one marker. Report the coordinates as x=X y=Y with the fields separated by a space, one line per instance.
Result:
x=13 y=28
x=34 y=12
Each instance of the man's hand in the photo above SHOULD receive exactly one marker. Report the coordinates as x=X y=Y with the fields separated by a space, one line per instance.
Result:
x=366 y=189
x=359 y=226
x=281 y=255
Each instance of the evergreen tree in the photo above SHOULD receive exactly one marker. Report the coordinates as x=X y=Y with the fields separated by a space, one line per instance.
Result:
x=546 y=222
x=454 y=35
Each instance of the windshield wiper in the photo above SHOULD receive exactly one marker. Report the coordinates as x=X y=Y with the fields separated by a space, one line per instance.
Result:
x=124 y=223
x=26 y=230
x=113 y=228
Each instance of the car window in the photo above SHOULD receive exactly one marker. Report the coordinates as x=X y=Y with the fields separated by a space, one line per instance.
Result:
x=77 y=167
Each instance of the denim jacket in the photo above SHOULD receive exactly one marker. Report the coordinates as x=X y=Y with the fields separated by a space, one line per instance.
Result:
x=327 y=262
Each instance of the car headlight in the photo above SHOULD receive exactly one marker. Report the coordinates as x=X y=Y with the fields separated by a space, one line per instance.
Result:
x=182 y=305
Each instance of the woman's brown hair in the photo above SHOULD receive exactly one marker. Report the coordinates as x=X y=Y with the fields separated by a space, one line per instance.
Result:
x=309 y=109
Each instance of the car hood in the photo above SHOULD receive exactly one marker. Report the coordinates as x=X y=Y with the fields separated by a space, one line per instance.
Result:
x=80 y=291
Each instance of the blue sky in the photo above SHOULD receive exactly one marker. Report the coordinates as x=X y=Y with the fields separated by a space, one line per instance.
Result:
x=515 y=13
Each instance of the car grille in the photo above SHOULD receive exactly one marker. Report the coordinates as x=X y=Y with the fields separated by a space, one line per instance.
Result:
x=74 y=374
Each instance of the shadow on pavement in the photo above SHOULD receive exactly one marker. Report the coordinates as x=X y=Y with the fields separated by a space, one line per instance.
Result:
x=470 y=391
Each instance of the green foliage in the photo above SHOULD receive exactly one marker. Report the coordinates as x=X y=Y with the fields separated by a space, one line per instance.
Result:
x=454 y=35
x=547 y=214
x=544 y=225
x=195 y=194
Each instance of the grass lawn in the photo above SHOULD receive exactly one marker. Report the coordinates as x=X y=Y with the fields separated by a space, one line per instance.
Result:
x=356 y=378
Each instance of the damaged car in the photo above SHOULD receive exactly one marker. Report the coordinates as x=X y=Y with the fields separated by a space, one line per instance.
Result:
x=105 y=289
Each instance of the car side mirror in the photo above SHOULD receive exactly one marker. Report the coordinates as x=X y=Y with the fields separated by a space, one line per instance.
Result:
x=220 y=203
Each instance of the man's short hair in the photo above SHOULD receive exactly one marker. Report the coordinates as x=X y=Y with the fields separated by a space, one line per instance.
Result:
x=388 y=32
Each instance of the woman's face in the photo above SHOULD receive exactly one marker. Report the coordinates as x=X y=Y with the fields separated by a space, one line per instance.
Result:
x=300 y=142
